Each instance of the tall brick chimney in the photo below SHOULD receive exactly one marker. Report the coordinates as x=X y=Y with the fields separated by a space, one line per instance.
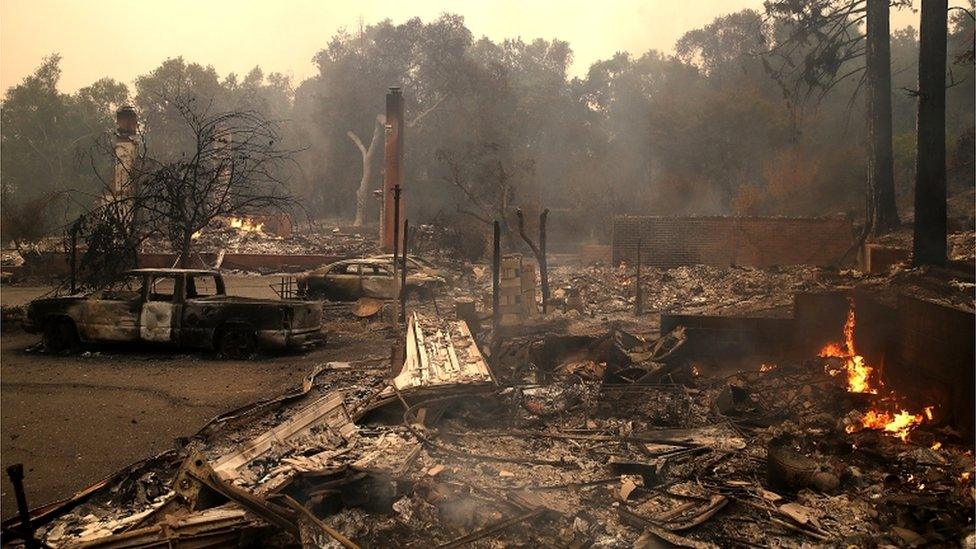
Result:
x=126 y=143
x=392 y=168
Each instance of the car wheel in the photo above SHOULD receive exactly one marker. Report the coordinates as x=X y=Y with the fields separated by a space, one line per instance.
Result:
x=59 y=336
x=237 y=343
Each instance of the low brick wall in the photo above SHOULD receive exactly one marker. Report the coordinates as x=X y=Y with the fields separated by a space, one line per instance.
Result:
x=724 y=241
x=934 y=359
x=924 y=351
x=51 y=264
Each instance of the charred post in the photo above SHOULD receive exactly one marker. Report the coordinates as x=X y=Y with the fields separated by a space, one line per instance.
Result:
x=16 y=474
x=496 y=260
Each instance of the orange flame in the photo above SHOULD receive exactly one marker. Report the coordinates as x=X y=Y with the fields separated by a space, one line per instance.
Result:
x=861 y=379
x=858 y=372
x=898 y=424
x=246 y=225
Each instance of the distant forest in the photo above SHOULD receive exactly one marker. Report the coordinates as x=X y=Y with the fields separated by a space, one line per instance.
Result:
x=706 y=130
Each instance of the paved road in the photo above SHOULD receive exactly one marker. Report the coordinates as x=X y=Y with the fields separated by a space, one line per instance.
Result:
x=73 y=420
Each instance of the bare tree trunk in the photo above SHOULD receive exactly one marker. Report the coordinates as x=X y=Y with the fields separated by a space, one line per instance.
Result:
x=539 y=251
x=185 y=250
x=368 y=153
x=930 y=161
x=882 y=213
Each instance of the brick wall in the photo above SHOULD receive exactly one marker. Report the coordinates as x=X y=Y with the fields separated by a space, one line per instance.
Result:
x=722 y=241
x=934 y=359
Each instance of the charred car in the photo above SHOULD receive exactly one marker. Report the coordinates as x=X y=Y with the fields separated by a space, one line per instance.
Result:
x=183 y=307
x=352 y=279
x=420 y=265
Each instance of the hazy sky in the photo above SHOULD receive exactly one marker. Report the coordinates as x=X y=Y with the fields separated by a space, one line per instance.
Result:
x=123 y=39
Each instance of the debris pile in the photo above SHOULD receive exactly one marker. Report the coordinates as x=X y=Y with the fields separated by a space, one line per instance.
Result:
x=237 y=239
x=739 y=291
x=608 y=440
x=689 y=289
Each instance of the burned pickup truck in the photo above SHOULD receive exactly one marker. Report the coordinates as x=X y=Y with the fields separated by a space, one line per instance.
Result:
x=183 y=307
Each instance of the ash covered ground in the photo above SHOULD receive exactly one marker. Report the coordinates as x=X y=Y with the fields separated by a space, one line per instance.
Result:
x=592 y=433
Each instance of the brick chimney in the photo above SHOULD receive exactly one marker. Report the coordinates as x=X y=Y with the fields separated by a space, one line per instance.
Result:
x=392 y=168
x=126 y=143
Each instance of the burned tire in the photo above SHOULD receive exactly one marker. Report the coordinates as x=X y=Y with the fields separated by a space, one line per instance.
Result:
x=59 y=336
x=236 y=342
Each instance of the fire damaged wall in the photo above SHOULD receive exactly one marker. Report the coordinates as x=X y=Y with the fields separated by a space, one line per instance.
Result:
x=935 y=355
x=921 y=350
x=724 y=241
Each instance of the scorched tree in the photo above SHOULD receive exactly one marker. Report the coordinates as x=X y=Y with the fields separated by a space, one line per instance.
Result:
x=233 y=167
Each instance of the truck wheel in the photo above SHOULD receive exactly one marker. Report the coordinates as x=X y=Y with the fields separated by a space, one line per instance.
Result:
x=237 y=343
x=59 y=336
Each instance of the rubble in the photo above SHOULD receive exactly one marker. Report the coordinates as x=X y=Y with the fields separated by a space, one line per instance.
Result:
x=582 y=428
x=707 y=461
x=312 y=239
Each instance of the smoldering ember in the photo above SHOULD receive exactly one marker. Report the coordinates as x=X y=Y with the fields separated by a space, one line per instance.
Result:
x=455 y=290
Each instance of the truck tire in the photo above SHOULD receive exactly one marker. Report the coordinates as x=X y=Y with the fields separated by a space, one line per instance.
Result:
x=59 y=335
x=236 y=342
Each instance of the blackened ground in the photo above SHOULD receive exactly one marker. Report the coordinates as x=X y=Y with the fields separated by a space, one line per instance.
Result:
x=74 y=419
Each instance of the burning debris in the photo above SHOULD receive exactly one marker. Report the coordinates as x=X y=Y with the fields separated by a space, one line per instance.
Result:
x=587 y=426
x=271 y=235
x=569 y=437
x=858 y=373
x=862 y=378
